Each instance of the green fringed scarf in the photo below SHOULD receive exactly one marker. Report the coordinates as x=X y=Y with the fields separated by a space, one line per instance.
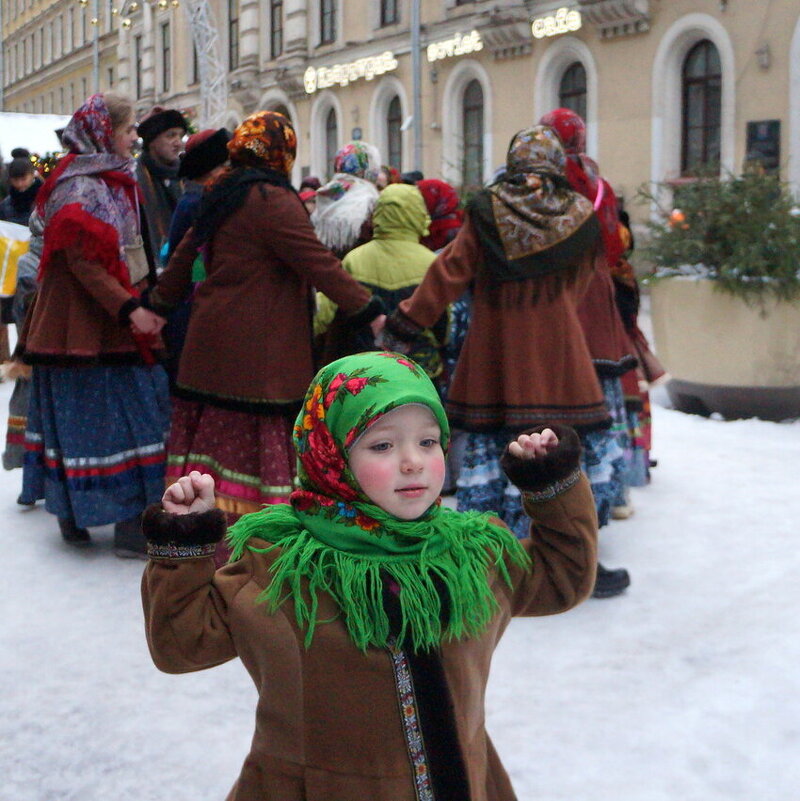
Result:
x=333 y=540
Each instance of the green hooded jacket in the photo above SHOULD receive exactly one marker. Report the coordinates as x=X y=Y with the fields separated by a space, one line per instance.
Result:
x=394 y=262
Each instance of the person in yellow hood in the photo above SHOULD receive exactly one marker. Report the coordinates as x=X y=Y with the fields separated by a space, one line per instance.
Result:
x=391 y=265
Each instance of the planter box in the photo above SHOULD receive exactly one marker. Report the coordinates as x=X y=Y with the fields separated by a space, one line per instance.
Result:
x=725 y=356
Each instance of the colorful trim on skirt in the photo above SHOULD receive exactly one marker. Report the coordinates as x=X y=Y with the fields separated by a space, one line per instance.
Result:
x=95 y=441
x=483 y=486
x=250 y=456
x=14 y=454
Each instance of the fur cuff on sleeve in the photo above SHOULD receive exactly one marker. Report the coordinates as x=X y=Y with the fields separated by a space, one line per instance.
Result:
x=366 y=314
x=557 y=468
x=195 y=528
x=402 y=327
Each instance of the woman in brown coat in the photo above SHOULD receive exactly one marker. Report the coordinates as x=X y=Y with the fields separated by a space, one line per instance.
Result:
x=247 y=358
x=366 y=612
x=528 y=248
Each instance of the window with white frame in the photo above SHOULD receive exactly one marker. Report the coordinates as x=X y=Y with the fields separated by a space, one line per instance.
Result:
x=394 y=133
x=389 y=12
x=472 y=126
x=327 y=21
x=233 y=34
x=701 y=108
x=331 y=140
x=166 y=57
x=275 y=28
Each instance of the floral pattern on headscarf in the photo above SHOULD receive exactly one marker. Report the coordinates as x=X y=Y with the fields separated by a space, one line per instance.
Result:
x=90 y=130
x=442 y=202
x=332 y=540
x=570 y=128
x=346 y=398
x=360 y=159
x=583 y=175
x=533 y=206
x=265 y=139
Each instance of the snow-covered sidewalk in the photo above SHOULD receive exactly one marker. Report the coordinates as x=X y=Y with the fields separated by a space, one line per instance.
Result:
x=687 y=687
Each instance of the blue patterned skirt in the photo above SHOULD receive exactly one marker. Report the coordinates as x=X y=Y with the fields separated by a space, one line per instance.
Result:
x=95 y=441
x=604 y=454
x=482 y=485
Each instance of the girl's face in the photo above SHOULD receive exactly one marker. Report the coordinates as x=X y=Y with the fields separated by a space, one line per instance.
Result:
x=399 y=462
x=123 y=137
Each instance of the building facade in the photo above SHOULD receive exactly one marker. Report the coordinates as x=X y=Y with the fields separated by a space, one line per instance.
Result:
x=666 y=86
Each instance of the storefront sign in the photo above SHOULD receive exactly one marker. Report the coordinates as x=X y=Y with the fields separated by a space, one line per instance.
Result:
x=458 y=45
x=565 y=20
x=316 y=78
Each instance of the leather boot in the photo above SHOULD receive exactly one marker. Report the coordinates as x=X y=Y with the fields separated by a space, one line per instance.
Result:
x=129 y=542
x=610 y=582
x=73 y=535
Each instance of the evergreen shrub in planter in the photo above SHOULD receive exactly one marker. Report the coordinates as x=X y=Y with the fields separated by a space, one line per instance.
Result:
x=726 y=295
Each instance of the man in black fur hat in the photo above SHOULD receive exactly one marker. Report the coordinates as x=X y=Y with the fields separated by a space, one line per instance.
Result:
x=162 y=131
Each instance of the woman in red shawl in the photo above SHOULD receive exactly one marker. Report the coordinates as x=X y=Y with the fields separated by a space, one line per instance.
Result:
x=99 y=404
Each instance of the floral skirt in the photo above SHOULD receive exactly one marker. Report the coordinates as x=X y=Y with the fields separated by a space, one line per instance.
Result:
x=482 y=485
x=250 y=456
x=95 y=441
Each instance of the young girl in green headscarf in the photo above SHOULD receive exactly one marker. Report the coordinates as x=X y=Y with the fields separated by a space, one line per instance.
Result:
x=365 y=611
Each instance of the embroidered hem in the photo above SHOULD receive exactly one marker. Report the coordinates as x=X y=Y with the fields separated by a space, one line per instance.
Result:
x=173 y=551
x=409 y=714
x=555 y=489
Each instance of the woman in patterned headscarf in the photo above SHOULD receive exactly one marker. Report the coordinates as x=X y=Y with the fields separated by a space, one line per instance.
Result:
x=247 y=358
x=528 y=248
x=99 y=403
x=342 y=218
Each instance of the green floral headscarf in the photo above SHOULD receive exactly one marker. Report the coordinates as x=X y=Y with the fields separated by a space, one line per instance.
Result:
x=333 y=539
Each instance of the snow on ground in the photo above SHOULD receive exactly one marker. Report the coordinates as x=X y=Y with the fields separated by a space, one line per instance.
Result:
x=687 y=687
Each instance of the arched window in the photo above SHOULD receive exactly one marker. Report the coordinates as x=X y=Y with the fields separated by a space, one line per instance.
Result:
x=572 y=89
x=281 y=109
x=472 y=119
x=331 y=140
x=394 y=136
x=702 y=108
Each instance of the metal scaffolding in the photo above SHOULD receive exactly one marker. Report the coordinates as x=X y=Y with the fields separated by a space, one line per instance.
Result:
x=213 y=77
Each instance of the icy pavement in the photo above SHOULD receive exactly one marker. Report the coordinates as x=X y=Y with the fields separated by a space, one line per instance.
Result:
x=687 y=687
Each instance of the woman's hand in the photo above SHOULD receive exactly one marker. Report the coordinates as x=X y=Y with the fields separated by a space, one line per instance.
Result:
x=192 y=493
x=534 y=446
x=143 y=321
x=377 y=325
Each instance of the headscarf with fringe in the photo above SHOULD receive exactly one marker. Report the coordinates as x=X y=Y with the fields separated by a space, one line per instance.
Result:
x=332 y=539
x=347 y=201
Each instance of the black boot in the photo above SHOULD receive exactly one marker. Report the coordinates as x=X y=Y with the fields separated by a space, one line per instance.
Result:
x=73 y=535
x=610 y=582
x=129 y=542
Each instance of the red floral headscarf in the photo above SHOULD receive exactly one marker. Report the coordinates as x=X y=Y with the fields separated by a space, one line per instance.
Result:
x=442 y=203
x=264 y=139
x=569 y=126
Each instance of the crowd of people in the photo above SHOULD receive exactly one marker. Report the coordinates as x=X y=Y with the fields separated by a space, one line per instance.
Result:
x=292 y=363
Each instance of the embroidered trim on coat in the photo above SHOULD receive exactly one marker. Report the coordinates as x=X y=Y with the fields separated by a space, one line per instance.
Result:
x=556 y=488
x=409 y=713
x=173 y=551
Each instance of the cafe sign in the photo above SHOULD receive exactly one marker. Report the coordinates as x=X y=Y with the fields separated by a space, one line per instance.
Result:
x=457 y=45
x=316 y=78
x=565 y=20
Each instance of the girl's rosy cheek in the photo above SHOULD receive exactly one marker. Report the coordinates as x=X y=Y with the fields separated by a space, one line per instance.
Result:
x=374 y=476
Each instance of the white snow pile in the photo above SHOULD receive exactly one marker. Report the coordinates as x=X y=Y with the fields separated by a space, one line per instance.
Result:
x=687 y=687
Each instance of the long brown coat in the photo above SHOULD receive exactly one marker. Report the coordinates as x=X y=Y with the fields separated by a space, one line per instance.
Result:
x=328 y=724
x=525 y=360
x=249 y=336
